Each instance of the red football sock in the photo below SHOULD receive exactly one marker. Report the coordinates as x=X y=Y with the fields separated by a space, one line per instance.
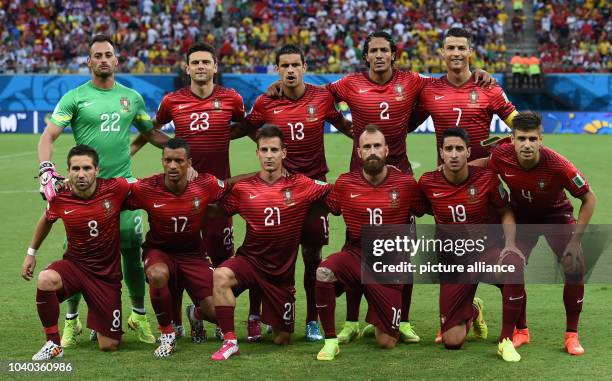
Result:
x=353 y=300
x=48 y=311
x=225 y=318
x=406 y=300
x=326 y=305
x=310 y=278
x=512 y=306
x=254 y=302
x=166 y=329
x=522 y=321
x=573 y=294
x=177 y=305
x=162 y=305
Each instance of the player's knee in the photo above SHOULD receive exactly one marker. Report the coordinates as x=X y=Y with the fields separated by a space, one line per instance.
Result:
x=453 y=341
x=385 y=341
x=282 y=338
x=109 y=346
x=223 y=277
x=158 y=275
x=324 y=274
x=49 y=280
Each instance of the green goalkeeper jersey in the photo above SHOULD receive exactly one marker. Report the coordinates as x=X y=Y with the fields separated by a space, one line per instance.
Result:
x=101 y=119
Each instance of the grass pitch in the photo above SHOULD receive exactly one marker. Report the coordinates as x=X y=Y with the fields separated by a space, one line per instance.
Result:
x=21 y=334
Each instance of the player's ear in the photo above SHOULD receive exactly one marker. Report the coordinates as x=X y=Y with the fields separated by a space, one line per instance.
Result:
x=469 y=152
x=187 y=68
x=305 y=67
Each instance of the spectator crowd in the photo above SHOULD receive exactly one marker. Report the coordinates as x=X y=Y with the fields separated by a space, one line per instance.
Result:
x=43 y=36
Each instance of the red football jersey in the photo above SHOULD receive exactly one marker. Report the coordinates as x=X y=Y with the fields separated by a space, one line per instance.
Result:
x=539 y=191
x=468 y=106
x=274 y=215
x=387 y=106
x=205 y=124
x=475 y=201
x=361 y=203
x=302 y=122
x=92 y=226
x=175 y=221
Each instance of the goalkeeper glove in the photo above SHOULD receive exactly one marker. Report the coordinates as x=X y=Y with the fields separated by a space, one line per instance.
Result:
x=51 y=182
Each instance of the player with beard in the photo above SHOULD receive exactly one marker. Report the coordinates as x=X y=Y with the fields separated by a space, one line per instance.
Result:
x=101 y=112
x=373 y=195
x=301 y=113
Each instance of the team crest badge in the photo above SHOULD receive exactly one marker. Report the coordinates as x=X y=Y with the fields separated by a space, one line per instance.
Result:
x=108 y=206
x=196 y=203
x=125 y=103
x=288 y=197
x=473 y=99
x=541 y=185
x=216 y=104
x=311 y=110
x=400 y=92
x=394 y=196
x=472 y=191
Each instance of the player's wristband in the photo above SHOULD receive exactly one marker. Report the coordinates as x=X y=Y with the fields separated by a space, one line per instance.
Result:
x=32 y=252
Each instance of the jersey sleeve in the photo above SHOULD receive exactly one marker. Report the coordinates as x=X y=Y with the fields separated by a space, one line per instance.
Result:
x=51 y=213
x=418 y=116
x=425 y=207
x=500 y=104
x=419 y=205
x=316 y=189
x=339 y=89
x=256 y=117
x=573 y=180
x=65 y=110
x=332 y=115
x=333 y=199
x=238 y=110
x=497 y=193
x=493 y=162
x=231 y=201
x=142 y=120
x=133 y=199
x=217 y=188
x=164 y=111
x=420 y=81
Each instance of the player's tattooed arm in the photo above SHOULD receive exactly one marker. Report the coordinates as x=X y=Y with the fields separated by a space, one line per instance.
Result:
x=325 y=275
x=484 y=79
x=43 y=227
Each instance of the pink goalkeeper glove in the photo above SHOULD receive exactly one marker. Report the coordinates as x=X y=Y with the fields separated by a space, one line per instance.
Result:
x=50 y=181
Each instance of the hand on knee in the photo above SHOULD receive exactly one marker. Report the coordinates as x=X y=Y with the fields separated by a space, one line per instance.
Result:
x=282 y=338
x=453 y=340
x=325 y=275
x=49 y=280
x=384 y=340
x=107 y=344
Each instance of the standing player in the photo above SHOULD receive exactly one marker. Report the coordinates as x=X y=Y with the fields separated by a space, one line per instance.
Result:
x=202 y=115
x=462 y=194
x=374 y=195
x=90 y=212
x=100 y=113
x=300 y=113
x=274 y=207
x=538 y=177
x=455 y=100
x=173 y=248
x=385 y=97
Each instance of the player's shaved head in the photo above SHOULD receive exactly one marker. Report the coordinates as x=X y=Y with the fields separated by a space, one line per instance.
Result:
x=371 y=129
x=84 y=150
x=527 y=121
x=373 y=150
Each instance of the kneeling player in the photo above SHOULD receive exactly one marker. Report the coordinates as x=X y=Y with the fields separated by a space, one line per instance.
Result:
x=173 y=248
x=91 y=264
x=274 y=206
x=462 y=194
x=373 y=195
x=537 y=178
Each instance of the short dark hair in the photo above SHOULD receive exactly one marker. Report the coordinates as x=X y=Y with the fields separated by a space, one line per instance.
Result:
x=289 y=49
x=101 y=38
x=84 y=150
x=457 y=132
x=459 y=32
x=378 y=34
x=201 y=47
x=527 y=121
x=270 y=131
x=176 y=143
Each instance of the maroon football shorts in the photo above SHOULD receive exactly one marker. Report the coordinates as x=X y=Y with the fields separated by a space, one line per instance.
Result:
x=384 y=300
x=194 y=271
x=315 y=232
x=218 y=239
x=456 y=304
x=103 y=298
x=278 y=299
x=556 y=228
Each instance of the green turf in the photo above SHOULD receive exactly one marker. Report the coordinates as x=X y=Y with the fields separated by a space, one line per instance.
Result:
x=21 y=334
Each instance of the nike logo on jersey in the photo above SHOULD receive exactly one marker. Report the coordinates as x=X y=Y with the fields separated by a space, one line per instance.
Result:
x=68 y=211
x=438 y=194
x=355 y=195
x=87 y=104
x=252 y=196
x=156 y=205
x=278 y=111
x=438 y=97
x=361 y=91
x=520 y=297
x=508 y=174
x=180 y=107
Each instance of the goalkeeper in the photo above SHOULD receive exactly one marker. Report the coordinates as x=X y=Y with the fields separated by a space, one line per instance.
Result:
x=101 y=112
